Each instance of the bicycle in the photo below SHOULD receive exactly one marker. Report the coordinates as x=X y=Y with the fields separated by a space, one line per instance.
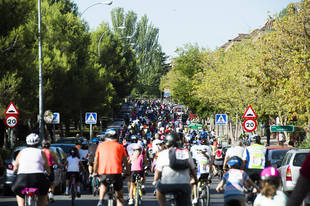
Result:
x=31 y=196
x=94 y=185
x=72 y=189
x=204 y=192
x=111 y=192
x=137 y=191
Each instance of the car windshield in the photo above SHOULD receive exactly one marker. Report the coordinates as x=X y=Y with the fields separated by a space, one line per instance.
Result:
x=278 y=154
x=299 y=159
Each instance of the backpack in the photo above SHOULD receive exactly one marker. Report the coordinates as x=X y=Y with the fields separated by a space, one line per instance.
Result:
x=179 y=159
x=218 y=154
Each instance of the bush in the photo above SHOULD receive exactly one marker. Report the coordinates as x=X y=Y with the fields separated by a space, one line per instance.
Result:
x=305 y=144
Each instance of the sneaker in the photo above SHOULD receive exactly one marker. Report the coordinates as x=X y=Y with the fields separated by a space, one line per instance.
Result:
x=130 y=202
x=67 y=193
x=99 y=203
x=51 y=197
x=143 y=189
x=78 y=194
x=194 y=201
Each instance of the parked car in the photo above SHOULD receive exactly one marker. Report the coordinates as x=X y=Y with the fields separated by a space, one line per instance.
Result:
x=71 y=140
x=65 y=147
x=275 y=155
x=290 y=167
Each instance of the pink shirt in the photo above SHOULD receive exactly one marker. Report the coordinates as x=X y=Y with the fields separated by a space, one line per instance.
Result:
x=49 y=156
x=136 y=165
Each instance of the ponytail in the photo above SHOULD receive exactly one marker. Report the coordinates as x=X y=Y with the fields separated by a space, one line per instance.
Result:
x=269 y=188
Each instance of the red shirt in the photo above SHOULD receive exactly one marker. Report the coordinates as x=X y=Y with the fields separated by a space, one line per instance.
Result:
x=110 y=155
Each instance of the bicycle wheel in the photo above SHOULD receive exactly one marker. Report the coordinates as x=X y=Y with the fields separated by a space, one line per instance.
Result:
x=73 y=194
x=205 y=196
x=137 y=195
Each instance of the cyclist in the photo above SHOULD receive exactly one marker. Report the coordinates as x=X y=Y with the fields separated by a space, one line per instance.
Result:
x=236 y=150
x=91 y=155
x=218 y=159
x=52 y=160
x=203 y=160
x=254 y=158
x=173 y=174
x=234 y=180
x=73 y=165
x=137 y=162
x=30 y=165
x=270 y=195
x=108 y=164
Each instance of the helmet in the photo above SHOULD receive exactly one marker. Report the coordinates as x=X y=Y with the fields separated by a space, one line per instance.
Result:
x=172 y=139
x=234 y=162
x=95 y=140
x=46 y=144
x=73 y=152
x=269 y=173
x=136 y=146
x=256 y=139
x=112 y=134
x=32 y=139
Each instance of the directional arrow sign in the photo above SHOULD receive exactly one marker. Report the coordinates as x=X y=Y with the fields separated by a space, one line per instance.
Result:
x=11 y=110
x=249 y=113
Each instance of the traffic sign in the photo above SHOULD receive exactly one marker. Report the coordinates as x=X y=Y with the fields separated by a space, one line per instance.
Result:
x=56 y=118
x=11 y=110
x=221 y=119
x=249 y=113
x=282 y=128
x=91 y=118
x=249 y=125
x=11 y=121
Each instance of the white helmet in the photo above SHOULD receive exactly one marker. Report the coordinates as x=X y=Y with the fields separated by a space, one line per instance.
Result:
x=32 y=139
x=136 y=146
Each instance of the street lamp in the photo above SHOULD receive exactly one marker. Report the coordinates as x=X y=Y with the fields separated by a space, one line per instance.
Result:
x=104 y=2
x=120 y=27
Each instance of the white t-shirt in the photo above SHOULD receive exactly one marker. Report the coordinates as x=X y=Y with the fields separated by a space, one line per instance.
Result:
x=170 y=176
x=30 y=161
x=279 y=199
x=235 y=151
x=73 y=164
x=234 y=180
x=255 y=156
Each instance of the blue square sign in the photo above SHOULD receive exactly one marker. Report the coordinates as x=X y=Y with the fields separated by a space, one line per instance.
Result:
x=91 y=118
x=221 y=119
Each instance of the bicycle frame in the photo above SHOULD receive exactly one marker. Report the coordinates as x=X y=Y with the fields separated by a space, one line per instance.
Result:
x=73 y=189
x=137 y=191
x=31 y=196
x=204 y=192
x=111 y=192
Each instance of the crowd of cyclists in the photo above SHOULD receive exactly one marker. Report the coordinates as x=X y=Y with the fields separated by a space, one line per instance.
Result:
x=155 y=139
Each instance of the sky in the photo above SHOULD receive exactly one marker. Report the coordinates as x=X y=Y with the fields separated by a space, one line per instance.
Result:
x=210 y=24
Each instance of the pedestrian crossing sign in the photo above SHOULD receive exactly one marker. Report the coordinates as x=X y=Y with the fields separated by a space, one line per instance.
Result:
x=91 y=118
x=221 y=119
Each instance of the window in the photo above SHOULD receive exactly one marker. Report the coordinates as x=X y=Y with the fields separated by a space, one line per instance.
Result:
x=299 y=159
x=286 y=159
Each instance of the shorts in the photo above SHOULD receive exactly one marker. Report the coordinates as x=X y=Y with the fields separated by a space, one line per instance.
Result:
x=254 y=174
x=218 y=162
x=234 y=200
x=76 y=174
x=116 y=179
x=204 y=176
x=34 y=180
x=182 y=192
x=134 y=175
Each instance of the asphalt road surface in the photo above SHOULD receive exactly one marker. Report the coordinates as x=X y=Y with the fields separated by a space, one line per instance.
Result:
x=86 y=199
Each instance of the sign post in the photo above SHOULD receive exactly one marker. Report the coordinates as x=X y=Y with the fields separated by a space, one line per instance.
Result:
x=249 y=124
x=91 y=118
x=11 y=120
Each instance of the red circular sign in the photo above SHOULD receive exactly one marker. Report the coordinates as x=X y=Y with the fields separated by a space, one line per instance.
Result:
x=249 y=125
x=11 y=121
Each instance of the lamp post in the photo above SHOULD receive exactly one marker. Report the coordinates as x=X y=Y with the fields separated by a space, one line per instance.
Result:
x=41 y=127
x=99 y=42
x=104 y=2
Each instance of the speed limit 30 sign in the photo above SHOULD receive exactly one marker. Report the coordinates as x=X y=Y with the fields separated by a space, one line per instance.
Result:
x=249 y=125
x=11 y=121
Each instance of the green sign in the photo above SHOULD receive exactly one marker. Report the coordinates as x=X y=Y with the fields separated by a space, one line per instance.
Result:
x=279 y=128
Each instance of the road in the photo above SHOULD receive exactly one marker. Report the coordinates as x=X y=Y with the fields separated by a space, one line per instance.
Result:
x=217 y=199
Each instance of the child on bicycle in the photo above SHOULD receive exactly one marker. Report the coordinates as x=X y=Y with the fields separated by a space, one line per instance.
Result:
x=270 y=195
x=137 y=161
x=73 y=165
x=235 y=179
